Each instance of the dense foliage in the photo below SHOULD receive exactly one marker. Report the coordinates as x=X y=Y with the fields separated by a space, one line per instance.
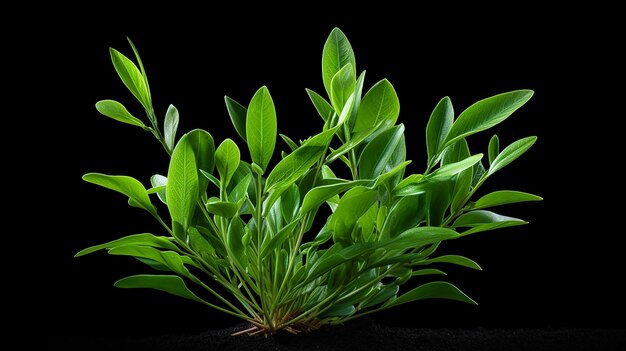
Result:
x=249 y=227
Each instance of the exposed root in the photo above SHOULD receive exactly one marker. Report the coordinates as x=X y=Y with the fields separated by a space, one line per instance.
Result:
x=259 y=328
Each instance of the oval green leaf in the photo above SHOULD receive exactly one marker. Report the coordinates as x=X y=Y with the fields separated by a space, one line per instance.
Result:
x=336 y=54
x=131 y=77
x=170 y=126
x=437 y=129
x=182 y=187
x=261 y=127
x=380 y=105
x=118 y=112
x=227 y=159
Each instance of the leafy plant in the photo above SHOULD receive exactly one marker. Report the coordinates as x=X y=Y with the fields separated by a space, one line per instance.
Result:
x=249 y=227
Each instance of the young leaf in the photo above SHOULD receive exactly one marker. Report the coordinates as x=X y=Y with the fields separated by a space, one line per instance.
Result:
x=377 y=154
x=237 y=113
x=170 y=125
x=437 y=129
x=504 y=197
x=511 y=153
x=144 y=239
x=380 y=105
x=337 y=53
x=128 y=186
x=487 y=113
x=118 y=112
x=204 y=150
x=158 y=180
x=341 y=87
x=322 y=106
x=434 y=290
x=298 y=162
x=227 y=158
x=131 y=77
x=171 y=284
x=182 y=187
x=261 y=127
x=494 y=148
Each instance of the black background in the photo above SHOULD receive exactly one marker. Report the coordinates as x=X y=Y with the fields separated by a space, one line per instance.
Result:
x=561 y=270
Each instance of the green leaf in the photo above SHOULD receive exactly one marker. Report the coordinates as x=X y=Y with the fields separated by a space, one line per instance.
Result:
x=385 y=293
x=454 y=259
x=204 y=150
x=131 y=77
x=241 y=189
x=118 y=112
x=355 y=141
x=143 y=71
x=198 y=243
x=487 y=113
x=169 y=259
x=377 y=154
x=397 y=170
x=171 y=284
x=170 y=125
x=331 y=261
x=318 y=195
x=358 y=92
x=158 y=180
x=341 y=87
x=379 y=106
x=452 y=169
x=144 y=239
x=481 y=221
x=182 y=187
x=427 y=271
x=336 y=54
x=290 y=203
x=222 y=208
x=294 y=165
x=338 y=311
x=511 y=153
x=292 y=145
x=419 y=237
x=437 y=129
x=504 y=197
x=237 y=113
x=234 y=242
x=494 y=148
x=407 y=213
x=227 y=159
x=261 y=127
x=128 y=186
x=352 y=206
x=322 y=106
x=434 y=290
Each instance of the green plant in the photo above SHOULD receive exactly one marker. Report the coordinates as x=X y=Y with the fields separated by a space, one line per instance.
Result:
x=249 y=228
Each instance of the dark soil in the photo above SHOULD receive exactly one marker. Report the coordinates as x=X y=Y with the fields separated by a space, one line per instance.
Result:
x=365 y=335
